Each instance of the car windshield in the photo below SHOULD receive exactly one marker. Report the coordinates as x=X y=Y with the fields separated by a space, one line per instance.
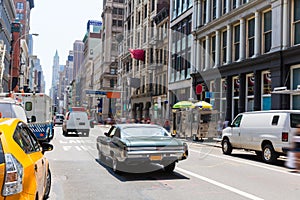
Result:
x=143 y=131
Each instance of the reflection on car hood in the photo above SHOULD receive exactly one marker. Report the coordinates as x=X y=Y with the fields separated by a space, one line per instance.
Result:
x=152 y=141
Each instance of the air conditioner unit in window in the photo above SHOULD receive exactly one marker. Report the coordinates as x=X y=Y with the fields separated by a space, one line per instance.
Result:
x=280 y=89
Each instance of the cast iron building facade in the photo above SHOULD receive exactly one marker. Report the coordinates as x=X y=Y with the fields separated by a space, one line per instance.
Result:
x=245 y=49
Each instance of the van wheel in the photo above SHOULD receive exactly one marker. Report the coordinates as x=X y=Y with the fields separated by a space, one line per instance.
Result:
x=268 y=154
x=226 y=147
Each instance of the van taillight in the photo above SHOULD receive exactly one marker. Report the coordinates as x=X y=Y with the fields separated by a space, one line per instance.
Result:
x=285 y=137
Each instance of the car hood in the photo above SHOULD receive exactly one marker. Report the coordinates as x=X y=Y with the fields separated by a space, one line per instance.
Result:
x=152 y=141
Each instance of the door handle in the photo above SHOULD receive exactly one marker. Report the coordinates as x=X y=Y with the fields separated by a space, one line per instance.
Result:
x=239 y=134
x=35 y=167
x=43 y=162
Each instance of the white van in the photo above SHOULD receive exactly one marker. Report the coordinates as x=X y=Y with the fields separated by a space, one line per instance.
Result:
x=268 y=133
x=76 y=121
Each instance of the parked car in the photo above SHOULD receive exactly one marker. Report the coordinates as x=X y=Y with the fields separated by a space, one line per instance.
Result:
x=136 y=144
x=59 y=119
x=268 y=133
x=24 y=170
x=76 y=121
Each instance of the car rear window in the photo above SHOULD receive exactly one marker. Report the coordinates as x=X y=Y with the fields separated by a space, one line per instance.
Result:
x=143 y=131
x=295 y=120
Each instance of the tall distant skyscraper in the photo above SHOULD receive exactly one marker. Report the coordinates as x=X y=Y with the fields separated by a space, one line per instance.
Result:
x=78 y=47
x=55 y=69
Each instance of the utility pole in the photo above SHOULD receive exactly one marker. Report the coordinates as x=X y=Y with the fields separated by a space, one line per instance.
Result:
x=2 y=56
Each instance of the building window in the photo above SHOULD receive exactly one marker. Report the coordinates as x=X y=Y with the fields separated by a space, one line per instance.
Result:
x=234 y=4
x=295 y=81
x=236 y=93
x=214 y=9
x=251 y=37
x=223 y=97
x=19 y=16
x=224 y=6
x=20 y=6
x=224 y=47
x=296 y=22
x=266 y=90
x=250 y=92
x=204 y=12
x=236 y=42
x=213 y=49
x=145 y=12
x=203 y=53
x=267 y=31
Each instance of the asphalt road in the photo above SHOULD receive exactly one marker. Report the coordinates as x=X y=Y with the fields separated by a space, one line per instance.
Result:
x=206 y=174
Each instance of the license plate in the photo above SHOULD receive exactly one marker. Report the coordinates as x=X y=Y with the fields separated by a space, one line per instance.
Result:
x=81 y=123
x=155 y=157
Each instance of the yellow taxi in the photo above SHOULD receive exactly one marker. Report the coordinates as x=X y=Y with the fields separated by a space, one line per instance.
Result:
x=24 y=170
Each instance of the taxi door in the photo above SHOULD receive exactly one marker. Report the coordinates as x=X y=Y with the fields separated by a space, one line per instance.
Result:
x=38 y=162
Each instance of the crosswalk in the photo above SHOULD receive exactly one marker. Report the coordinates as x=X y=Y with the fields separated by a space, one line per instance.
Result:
x=78 y=145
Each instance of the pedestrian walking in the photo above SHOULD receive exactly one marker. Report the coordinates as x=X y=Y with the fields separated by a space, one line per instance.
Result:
x=167 y=125
x=293 y=160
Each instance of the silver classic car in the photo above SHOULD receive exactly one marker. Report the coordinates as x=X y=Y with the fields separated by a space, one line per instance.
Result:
x=128 y=145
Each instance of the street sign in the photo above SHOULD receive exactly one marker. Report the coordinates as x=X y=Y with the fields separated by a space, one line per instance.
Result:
x=95 y=92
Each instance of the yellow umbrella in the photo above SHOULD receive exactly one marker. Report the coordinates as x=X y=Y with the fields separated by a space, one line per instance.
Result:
x=184 y=104
x=203 y=105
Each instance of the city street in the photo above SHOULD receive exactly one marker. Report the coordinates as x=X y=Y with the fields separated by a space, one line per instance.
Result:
x=206 y=174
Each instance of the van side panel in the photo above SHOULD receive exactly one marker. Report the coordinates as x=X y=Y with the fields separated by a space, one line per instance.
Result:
x=257 y=128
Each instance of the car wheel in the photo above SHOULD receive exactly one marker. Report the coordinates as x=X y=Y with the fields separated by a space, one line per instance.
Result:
x=48 y=185
x=102 y=158
x=268 y=154
x=170 y=168
x=226 y=147
x=116 y=166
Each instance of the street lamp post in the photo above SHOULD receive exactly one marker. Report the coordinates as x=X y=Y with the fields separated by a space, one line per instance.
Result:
x=12 y=60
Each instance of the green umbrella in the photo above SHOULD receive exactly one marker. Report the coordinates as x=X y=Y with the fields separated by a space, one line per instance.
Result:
x=184 y=104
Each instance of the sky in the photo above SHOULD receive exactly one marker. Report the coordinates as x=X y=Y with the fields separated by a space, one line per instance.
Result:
x=59 y=23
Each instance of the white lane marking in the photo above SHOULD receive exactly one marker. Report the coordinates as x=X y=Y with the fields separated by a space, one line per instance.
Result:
x=78 y=148
x=226 y=187
x=241 y=161
x=67 y=148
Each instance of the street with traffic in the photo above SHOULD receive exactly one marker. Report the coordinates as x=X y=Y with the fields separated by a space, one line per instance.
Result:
x=207 y=173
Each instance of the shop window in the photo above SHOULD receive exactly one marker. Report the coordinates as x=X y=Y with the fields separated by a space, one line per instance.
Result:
x=266 y=90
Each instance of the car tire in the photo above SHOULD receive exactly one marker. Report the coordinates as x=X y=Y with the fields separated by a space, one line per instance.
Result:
x=102 y=158
x=268 y=154
x=170 y=168
x=116 y=166
x=226 y=147
x=48 y=185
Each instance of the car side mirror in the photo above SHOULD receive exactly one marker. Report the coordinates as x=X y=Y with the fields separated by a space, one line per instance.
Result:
x=46 y=147
x=106 y=134
x=33 y=118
